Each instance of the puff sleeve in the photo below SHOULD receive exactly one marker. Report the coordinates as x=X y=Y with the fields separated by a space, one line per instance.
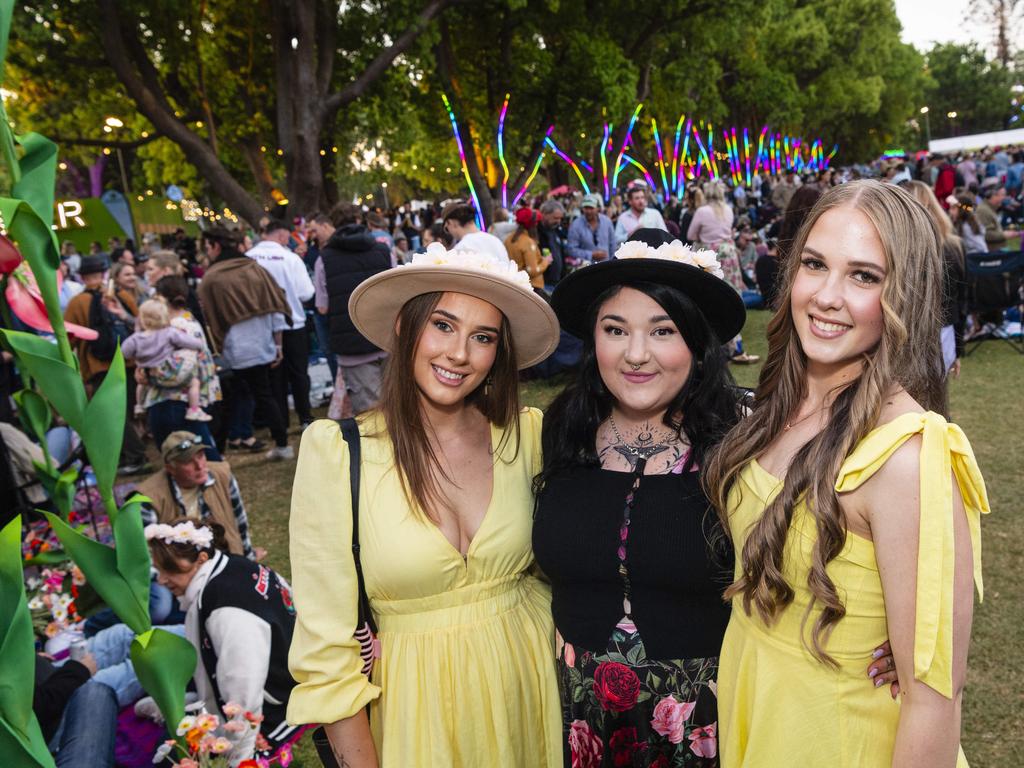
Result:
x=324 y=655
x=944 y=450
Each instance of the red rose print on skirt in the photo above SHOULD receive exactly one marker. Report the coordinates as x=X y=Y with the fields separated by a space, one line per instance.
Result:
x=584 y=745
x=616 y=686
x=623 y=745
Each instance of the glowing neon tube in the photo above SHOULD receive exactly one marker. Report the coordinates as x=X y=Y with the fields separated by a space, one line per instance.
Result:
x=661 y=159
x=675 y=155
x=501 y=152
x=529 y=180
x=566 y=158
x=640 y=166
x=604 y=162
x=465 y=167
x=625 y=144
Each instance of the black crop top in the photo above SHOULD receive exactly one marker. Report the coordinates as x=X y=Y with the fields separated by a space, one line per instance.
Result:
x=679 y=561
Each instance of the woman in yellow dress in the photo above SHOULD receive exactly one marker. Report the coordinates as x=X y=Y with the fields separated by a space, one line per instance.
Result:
x=854 y=508
x=466 y=673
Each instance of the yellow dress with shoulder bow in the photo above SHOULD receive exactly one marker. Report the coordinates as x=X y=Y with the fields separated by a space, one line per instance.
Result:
x=466 y=675
x=778 y=705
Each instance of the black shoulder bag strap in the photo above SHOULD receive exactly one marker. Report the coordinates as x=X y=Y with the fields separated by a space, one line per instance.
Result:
x=366 y=629
x=350 y=431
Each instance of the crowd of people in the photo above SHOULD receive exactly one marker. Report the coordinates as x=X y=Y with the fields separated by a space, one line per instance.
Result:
x=475 y=532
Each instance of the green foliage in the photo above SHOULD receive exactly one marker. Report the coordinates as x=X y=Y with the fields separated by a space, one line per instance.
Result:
x=164 y=663
x=21 y=741
x=964 y=81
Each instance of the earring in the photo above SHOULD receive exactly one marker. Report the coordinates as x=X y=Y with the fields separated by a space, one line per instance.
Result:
x=488 y=384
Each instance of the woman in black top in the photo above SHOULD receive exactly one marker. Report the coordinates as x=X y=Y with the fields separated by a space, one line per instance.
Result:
x=623 y=530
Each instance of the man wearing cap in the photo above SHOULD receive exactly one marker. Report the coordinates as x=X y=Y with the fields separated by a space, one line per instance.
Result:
x=987 y=213
x=592 y=235
x=204 y=490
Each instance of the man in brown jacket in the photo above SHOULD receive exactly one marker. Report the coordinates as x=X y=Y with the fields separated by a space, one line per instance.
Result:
x=191 y=486
x=246 y=312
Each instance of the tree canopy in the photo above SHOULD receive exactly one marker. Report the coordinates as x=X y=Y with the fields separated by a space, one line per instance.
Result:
x=250 y=103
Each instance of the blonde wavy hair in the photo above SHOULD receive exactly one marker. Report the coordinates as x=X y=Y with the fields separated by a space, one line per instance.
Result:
x=714 y=193
x=908 y=355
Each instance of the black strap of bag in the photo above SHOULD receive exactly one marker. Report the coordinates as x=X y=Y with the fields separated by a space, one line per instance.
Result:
x=366 y=628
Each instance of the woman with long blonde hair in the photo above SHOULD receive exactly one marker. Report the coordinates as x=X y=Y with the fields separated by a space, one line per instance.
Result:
x=853 y=507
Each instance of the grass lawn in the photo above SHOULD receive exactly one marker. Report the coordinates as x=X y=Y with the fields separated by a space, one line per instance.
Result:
x=987 y=401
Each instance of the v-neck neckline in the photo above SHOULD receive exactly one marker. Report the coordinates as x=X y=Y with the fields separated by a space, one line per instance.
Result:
x=487 y=511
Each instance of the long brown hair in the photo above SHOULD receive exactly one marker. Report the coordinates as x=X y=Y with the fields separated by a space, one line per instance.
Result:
x=497 y=399
x=908 y=355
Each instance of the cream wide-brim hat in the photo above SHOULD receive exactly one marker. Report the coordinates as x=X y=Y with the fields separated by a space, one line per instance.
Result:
x=376 y=302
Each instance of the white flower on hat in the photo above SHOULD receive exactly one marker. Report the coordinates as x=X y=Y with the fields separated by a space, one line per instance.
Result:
x=676 y=251
x=505 y=268
x=634 y=249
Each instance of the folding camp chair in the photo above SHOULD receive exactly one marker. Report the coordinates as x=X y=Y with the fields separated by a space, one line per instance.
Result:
x=995 y=283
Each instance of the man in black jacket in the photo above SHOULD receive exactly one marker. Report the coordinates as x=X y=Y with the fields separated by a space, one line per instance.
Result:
x=349 y=254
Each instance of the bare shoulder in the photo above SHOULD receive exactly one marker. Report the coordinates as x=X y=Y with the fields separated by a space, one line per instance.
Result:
x=898 y=404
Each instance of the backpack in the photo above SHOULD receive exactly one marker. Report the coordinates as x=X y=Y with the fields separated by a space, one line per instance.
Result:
x=112 y=330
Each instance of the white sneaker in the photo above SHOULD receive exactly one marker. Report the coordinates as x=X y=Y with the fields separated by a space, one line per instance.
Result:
x=281 y=453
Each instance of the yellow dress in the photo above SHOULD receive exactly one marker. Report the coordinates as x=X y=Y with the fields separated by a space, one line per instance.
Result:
x=466 y=675
x=778 y=705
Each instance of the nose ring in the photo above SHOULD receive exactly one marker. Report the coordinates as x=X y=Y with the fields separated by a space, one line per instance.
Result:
x=635 y=367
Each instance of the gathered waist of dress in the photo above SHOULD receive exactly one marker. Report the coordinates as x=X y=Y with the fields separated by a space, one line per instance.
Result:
x=850 y=646
x=470 y=604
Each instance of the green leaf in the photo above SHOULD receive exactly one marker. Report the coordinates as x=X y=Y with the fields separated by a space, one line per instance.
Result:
x=132 y=552
x=38 y=170
x=99 y=564
x=33 y=409
x=60 y=383
x=59 y=486
x=64 y=493
x=164 y=663
x=102 y=429
x=21 y=741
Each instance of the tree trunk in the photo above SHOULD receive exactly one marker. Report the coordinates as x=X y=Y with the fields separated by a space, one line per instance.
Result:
x=446 y=74
x=155 y=107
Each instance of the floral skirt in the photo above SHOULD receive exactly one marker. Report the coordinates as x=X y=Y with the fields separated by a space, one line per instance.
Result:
x=621 y=709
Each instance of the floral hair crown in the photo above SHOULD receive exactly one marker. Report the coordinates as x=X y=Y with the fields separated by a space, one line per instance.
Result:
x=182 y=533
x=506 y=269
x=675 y=251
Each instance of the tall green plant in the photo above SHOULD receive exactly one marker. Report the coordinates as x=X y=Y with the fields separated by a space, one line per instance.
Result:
x=163 y=661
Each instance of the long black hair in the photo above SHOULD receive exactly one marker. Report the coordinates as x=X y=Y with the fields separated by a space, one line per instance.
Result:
x=704 y=409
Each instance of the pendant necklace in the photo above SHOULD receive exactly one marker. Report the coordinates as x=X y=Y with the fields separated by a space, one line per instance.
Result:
x=647 y=446
x=791 y=424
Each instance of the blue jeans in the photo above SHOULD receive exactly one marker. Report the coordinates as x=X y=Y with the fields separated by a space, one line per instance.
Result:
x=169 y=416
x=112 y=650
x=86 y=734
x=323 y=337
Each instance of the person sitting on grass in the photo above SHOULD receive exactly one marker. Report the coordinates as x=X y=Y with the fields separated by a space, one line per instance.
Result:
x=191 y=486
x=240 y=618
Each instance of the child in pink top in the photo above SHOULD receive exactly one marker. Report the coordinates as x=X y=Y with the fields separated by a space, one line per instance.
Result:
x=160 y=344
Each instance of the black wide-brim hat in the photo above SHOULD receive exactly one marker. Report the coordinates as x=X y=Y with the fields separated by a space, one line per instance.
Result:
x=718 y=301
